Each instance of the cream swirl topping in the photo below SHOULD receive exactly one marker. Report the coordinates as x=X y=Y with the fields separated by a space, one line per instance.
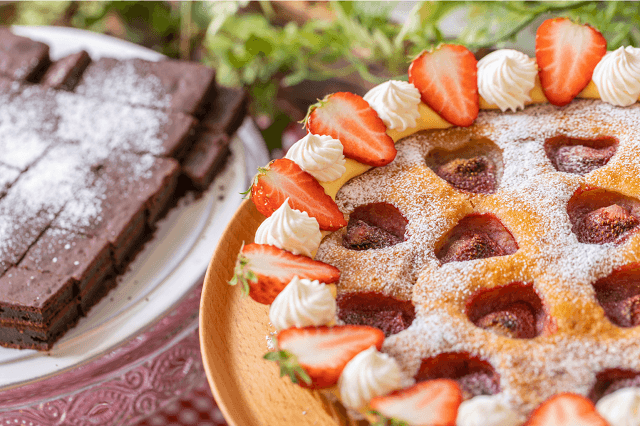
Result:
x=617 y=76
x=303 y=303
x=367 y=375
x=621 y=408
x=484 y=410
x=319 y=155
x=396 y=103
x=505 y=78
x=290 y=229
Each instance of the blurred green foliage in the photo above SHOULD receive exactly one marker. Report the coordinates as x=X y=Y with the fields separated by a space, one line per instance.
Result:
x=157 y=25
x=249 y=50
x=252 y=46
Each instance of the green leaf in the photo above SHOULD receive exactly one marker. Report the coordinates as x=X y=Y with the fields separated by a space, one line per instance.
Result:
x=242 y=274
x=40 y=12
x=381 y=420
x=289 y=366
x=258 y=45
x=382 y=42
x=297 y=77
x=234 y=60
x=220 y=11
x=372 y=9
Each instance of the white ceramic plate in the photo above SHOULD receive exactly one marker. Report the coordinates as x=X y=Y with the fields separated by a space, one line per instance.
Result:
x=170 y=264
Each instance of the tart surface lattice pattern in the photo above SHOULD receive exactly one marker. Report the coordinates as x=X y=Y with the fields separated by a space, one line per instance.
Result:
x=575 y=341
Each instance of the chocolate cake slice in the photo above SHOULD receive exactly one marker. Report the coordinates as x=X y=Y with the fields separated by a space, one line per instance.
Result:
x=71 y=255
x=174 y=85
x=225 y=111
x=224 y=115
x=109 y=126
x=65 y=73
x=36 y=308
x=129 y=194
x=35 y=199
x=21 y=58
x=205 y=158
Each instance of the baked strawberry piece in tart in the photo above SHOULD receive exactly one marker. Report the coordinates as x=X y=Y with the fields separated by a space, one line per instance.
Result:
x=493 y=243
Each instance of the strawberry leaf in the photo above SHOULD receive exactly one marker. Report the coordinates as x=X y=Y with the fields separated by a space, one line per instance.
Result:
x=289 y=366
x=242 y=274
x=246 y=193
x=386 y=421
x=311 y=108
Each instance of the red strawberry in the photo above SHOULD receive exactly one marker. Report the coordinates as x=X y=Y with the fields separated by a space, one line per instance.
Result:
x=349 y=118
x=283 y=178
x=314 y=357
x=566 y=409
x=447 y=79
x=434 y=402
x=567 y=53
x=264 y=270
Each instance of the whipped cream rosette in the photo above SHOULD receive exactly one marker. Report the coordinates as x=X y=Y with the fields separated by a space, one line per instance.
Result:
x=303 y=303
x=617 y=76
x=396 y=103
x=291 y=230
x=320 y=155
x=505 y=78
x=367 y=375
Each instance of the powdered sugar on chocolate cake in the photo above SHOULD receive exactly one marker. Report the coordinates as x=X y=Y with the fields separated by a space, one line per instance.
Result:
x=60 y=140
x=531 y=202
x=126 y=81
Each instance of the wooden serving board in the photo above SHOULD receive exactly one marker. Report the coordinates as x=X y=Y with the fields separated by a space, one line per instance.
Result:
x=233 y=339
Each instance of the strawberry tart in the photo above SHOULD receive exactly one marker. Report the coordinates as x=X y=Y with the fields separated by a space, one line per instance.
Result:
x=462 y=248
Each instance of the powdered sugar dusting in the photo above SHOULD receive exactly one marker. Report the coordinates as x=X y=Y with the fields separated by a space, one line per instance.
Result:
x=60 y=141
x=531 y=201
x=109 y=126
x=128 y=82
x=21 y=148
x=8 y=175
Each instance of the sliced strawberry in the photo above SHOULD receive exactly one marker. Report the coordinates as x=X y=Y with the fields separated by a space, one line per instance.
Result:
x=264 y=270
x=349 y=118
x=314 y=357
x=566 y=409
x=283 y=178
x=434 y=402
x=447 y=79
x=567 y=54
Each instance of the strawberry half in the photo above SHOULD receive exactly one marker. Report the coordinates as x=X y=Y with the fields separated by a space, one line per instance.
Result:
x=264 y=271
x=434 y=402
x=567 y=54
x=314 y=357
x=566 y=409
x=447 y=79
x=349 y=118
x=283 y=178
